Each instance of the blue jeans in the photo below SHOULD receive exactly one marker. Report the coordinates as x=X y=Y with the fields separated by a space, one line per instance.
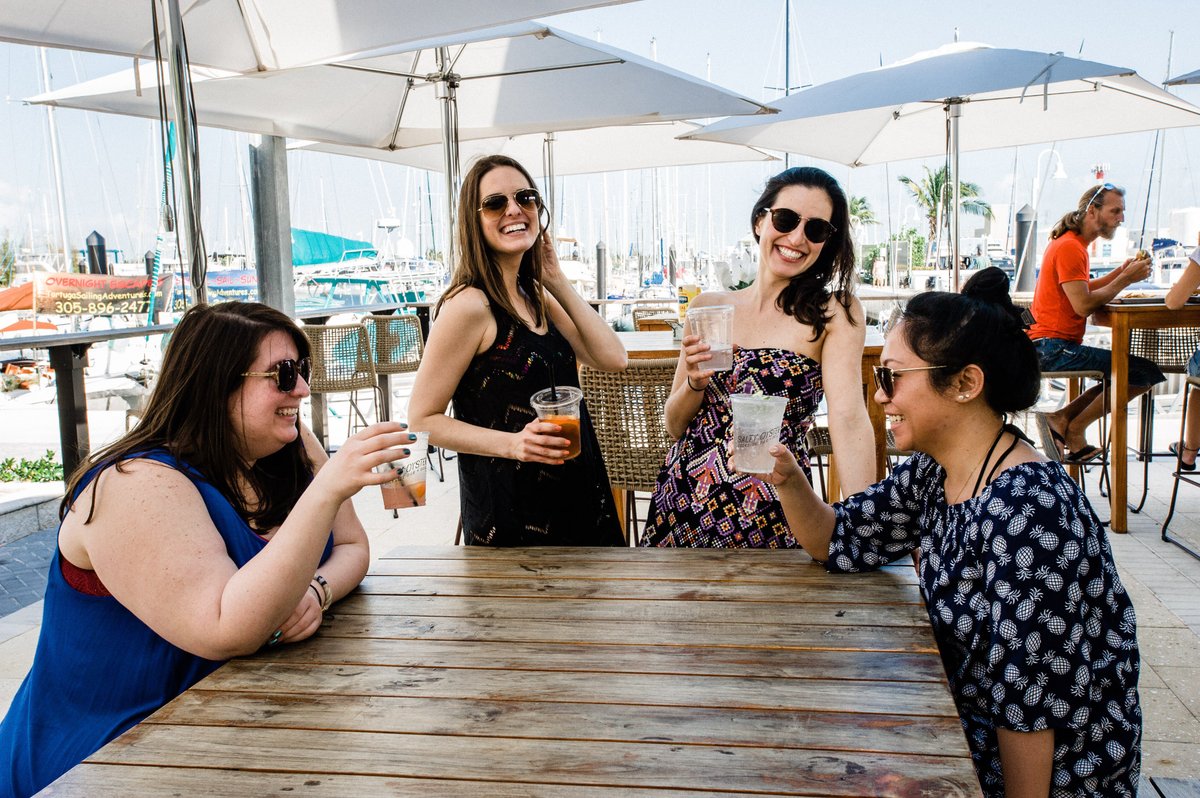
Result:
x=1059 y=354
x=1193 y=366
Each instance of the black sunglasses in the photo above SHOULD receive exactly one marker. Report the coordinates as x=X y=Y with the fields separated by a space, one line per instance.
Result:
x=1103 y=187
x=285 y=373
x=785 y=220
x=496 y=204
x=885 y=377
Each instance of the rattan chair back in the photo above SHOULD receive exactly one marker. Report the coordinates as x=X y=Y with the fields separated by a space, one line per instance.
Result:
x=1169 y=348
x=341 y=358
x=820 y=444
x=395 y=342
x=627 y=410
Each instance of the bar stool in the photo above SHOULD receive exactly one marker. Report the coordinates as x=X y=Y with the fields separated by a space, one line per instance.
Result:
x=1192 y=478
x=820 y=446
x=627 y=411
x=1170 y=349
x=1074 y=382
x=341 y=363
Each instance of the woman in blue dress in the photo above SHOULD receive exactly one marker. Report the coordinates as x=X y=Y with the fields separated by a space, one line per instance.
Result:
x=203 y=534
x=1035 y=629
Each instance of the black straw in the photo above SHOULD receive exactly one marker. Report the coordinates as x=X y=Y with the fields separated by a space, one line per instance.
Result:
x=553 y=389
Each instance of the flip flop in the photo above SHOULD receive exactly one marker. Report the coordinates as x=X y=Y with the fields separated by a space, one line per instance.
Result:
x=1083 y=456
x=1052 y=443
x=1174 y=450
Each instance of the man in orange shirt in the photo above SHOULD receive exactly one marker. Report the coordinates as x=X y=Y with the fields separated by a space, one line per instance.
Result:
x=1063 y=299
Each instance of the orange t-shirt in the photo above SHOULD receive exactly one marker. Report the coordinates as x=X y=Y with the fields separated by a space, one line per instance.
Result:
x=1066 y=259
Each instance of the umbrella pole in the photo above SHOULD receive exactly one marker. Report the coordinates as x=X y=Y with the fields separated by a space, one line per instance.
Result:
x=447 y=93
x=953 y=112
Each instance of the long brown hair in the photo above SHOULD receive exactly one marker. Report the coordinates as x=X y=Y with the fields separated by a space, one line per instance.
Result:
x=1073 y=220
x=476 y=265
x=806 y=295
x=187 y=413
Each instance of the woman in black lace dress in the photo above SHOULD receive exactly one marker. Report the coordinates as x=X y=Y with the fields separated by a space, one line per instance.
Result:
x=509 y=324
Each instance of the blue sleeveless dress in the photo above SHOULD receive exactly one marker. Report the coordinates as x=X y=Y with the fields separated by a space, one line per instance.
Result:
x=98 y=670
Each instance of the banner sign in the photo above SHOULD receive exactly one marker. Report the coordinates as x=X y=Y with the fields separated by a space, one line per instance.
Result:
x=98 y=294
x=232 y=284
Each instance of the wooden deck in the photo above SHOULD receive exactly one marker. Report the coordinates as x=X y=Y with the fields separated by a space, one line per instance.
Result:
x=573 y=672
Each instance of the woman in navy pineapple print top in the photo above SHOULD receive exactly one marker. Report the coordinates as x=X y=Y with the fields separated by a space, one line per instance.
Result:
x=1035 y=629
x=798 y=332
x=508 y=325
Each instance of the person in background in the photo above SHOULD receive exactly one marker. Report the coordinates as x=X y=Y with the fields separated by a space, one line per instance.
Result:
x=1186 y=449
x=1037 y=634
x=508 y=326
x=202 y=534
x=1063 y=298
x=798 y=331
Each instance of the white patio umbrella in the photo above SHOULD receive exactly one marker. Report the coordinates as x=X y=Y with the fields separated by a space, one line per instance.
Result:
x=1185 y=79
x=524 y=78
x=961 y=97
x=256 y=35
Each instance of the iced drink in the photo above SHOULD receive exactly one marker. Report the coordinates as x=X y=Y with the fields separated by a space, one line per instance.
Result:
x=757 y=420
x=408 y=488
x=561 y=406
x=714 y=325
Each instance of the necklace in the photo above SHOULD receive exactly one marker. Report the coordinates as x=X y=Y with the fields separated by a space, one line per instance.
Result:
x=979 y=467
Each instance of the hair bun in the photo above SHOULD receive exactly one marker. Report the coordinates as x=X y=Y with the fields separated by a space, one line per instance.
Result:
x=991 y=285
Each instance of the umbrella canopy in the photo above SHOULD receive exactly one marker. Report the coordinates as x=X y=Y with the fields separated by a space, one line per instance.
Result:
x=255 y=35
x=29 y=325
x=987 y=97
x=19 y=297
x=574 y=152
x=1186 y=79
x=516 y=79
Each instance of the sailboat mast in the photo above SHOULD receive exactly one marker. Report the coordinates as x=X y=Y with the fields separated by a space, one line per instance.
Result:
x=787 y=63
x=56 y=163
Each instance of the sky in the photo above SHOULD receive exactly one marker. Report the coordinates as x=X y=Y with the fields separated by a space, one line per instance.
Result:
x=112 y=175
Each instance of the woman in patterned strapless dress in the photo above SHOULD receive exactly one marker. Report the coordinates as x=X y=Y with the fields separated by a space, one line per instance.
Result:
x=798 y=332
x=509 y=324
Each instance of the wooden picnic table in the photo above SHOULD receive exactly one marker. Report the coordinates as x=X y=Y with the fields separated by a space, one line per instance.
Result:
x=572 y=672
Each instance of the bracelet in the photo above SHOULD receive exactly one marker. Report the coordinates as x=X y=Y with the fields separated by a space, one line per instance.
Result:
x=328 y=599
x=693 y=387
x=316 y=592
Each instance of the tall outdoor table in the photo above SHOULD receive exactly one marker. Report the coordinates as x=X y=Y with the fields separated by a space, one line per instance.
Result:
x=1123 y=316
x=572 y=672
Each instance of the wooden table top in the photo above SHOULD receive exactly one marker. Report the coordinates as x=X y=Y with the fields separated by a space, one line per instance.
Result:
x=586 y=673
x=649 y=344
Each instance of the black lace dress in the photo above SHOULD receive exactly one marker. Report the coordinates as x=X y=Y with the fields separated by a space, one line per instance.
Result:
x=510 y=503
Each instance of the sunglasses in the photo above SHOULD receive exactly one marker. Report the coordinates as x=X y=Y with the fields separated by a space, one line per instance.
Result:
x=285 y=373
x=885 y=377
x=1103 y=187
x=527 y=199
x=785 y=220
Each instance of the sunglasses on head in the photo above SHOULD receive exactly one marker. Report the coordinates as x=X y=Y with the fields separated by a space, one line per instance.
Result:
x=885 y=378
x=285 y=373
x=1103 y=187
x=785 y=220
x=495 y=204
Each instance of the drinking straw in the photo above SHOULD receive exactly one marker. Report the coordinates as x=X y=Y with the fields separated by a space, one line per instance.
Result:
x=553 y=389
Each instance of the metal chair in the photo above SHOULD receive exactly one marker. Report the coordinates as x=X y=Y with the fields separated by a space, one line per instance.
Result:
x=1190 y=477
x=1074 y=380
x=820 y=446
x=341 y=363
x=627 y=411
x=1170 y=349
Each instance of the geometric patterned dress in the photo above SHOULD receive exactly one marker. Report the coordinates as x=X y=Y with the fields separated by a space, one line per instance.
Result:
x=698 y=501
x=1033 y=624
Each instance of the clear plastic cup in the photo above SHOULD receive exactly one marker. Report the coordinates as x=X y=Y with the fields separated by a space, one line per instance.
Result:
x=714 y=325
x=408 y=488
x=757 y=421
x=560 y=406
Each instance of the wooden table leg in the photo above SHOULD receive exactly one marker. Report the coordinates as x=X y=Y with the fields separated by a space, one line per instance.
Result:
x=1120 y=407
x=620 y=496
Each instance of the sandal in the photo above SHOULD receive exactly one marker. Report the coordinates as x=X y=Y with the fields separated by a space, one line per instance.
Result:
x=1053 y=444
x=1179 y=450
x=1083 y=456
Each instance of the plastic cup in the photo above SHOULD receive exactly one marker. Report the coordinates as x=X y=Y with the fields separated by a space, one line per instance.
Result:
x=562 y=409
x=408 y=488
x=757 y=420
x=714 y=325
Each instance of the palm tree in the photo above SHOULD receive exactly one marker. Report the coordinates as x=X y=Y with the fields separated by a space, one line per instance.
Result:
x=861 y=214
x=933 y=193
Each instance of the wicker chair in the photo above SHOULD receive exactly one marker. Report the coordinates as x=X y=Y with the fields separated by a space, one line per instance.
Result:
x=820 y=446
x=627 y=411
x=1192 y=383
x=341 y=363
x=1170 y=350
